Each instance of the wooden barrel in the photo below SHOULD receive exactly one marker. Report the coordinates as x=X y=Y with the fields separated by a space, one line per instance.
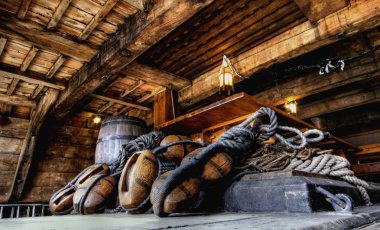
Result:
x=114 y=132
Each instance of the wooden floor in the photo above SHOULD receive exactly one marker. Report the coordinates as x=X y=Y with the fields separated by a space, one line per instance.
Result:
x=363 y=216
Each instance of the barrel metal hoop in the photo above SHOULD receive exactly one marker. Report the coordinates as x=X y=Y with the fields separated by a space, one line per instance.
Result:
x=116 y=137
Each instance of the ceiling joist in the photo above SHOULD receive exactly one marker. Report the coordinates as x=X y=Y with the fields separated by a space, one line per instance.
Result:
x=358 y=17
x=40 y=37
x=12 y=86
x=23 y=8
x=58 y=13
x=133 y=38
x=3 y=42
x=55 y=67
x=28 y=78
x=17 y=101
x=132 y=88
x=29 y=58
x=120 y=102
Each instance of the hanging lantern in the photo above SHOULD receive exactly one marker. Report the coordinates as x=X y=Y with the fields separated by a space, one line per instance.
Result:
x=291 y=107
x=97 y=119
x=226 y=78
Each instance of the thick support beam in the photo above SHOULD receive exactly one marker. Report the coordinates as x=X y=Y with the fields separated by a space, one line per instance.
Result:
x=358 y=17
x=28 y=78
x=164 y=109
x=29 y=58
x=339 y=102
x=3 y=42
x=317 y=9
x=58 y=13
x=43 y=39
x=27 y=150
x=97 y=19
x=16 y=101
x=156 y=76
x=133 y=38
x=132 y=88
x=120 y=102
x=23 y=8
x=56 y=66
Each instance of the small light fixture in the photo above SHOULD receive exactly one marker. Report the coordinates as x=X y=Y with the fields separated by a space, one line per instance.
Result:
x=97 y=120
x=291 y=107
x=227 y=75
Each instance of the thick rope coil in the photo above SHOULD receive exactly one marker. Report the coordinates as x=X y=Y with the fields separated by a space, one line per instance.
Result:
x=332 y=165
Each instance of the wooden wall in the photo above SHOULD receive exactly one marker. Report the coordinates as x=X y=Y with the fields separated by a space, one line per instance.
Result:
x=64 y=150
x=11 y=139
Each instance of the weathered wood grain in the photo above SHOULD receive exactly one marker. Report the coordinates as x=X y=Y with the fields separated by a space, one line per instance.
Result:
x=16 y=129
x=3 y=42
x=71 y=151
x=317 y=9
x=10 y=145
x=360 y=16
x=56 y=66
x=132 y=88
x=58 y=13
x=8 y=162
x=17 y=101
x=23 y=8
x=63 y=165
x=29 y=58
x=12 y=86
x=121 y=102
x=133 y=38
x=51 y=179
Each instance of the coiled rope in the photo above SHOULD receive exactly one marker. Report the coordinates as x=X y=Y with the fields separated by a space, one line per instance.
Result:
x=236 y=142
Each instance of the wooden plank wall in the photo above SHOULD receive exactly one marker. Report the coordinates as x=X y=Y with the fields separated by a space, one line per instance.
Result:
x=69 y=148
x=11 y=139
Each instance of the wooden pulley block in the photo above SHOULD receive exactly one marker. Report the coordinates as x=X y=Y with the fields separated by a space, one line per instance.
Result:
x=62 y=201
x=137 y=178
x=181 y=198
x=95 y=169
x=177 y=152
x=91 y=196
x=216 y=168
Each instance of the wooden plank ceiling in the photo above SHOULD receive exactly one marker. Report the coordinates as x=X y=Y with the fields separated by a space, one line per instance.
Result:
x=226 y=27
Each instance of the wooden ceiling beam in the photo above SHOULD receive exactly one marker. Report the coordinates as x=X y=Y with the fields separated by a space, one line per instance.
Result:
x=105 y=107
x=97 y=18
x=317 y=9
x=38 y=89
x=339 y=102
x=30 y=78
x=56 y=66
x=121 y=111
x=29 y=58
x=3 y=42
x=40 y=37
x=358 y=17
x=132 y=88
x=138 y=4
x=150 y=95
x=23 y=9
x=120 y=102
x=58 y=13
x=12 y=86
x=140 y=32
x=17 y=101
x=156 y=76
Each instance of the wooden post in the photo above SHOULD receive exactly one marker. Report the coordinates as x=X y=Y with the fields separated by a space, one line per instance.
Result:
x=26 y=155
x=164 y=108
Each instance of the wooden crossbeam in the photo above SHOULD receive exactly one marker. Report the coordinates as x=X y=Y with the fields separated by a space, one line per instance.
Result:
x=121 y=111
x=16 y=101
x=358 y=17
x=34 y=80
x=317 y=9
x=23 y=8
x=37 y=35
x=338 y=102
x=12 y=86
x=3 y=42
x=56 y=66
x=132 y=88
x=29 y=58
x=120 y=102
x=58 y=13
x=139 y=4
x=105 y=107
x=150 y=95
x=141 y=31
x=156 y=76
x=97 y=19
x=38 y=89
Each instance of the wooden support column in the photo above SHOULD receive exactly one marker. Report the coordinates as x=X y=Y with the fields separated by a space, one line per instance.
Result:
x=25 y=158
x=163 y=109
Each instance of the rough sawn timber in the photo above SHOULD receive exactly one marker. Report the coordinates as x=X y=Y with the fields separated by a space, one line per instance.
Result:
x=133 y=38
x=358 y=17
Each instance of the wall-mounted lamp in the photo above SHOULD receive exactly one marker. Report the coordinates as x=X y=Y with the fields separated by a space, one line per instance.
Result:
x=227 y=74
x=97 y=119
x=291 y=107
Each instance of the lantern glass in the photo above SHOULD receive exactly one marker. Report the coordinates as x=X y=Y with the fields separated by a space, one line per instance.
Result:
x=226 y=80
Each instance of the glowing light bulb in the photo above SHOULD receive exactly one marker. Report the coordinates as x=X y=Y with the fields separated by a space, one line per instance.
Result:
x=291 y=107
x=97 y=119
